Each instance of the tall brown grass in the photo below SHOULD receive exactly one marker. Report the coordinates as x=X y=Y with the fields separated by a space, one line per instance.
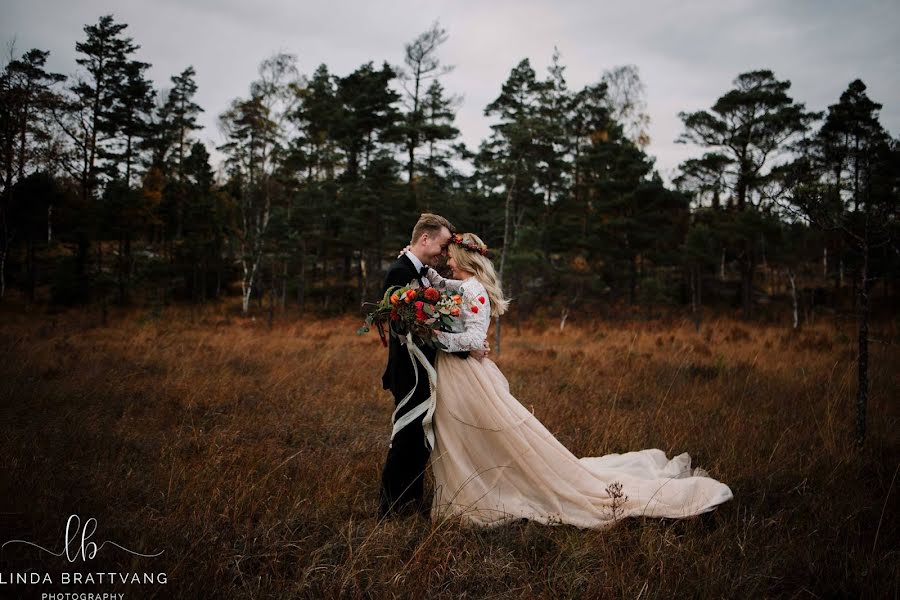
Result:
x=251 y=457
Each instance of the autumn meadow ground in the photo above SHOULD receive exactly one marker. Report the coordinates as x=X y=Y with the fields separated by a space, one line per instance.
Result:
x=251 y=457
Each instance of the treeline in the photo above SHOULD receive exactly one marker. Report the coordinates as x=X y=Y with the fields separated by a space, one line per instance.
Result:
x=108 y=197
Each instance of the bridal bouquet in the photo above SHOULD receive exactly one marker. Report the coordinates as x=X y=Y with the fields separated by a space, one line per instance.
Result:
x=416 y=311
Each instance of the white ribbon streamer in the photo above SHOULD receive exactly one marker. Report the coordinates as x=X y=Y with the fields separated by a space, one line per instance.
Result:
x=427 y=407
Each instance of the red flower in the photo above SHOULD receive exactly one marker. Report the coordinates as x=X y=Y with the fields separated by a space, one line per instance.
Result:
x=481 y=299
x=432 y=294
x=475 y=308
x=410 y=295
x=394 y=315
x=419 y=305
x=421 y=316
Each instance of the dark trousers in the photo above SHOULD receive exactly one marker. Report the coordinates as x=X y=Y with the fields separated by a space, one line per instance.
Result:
x=403 y=477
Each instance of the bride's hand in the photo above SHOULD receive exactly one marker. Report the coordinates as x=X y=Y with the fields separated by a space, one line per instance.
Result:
x=480 y=354
x=404 y=251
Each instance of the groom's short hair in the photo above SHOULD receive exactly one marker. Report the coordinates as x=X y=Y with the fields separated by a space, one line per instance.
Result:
x=430 y=223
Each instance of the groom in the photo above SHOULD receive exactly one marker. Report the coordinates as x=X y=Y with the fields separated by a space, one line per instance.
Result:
x=403 y=475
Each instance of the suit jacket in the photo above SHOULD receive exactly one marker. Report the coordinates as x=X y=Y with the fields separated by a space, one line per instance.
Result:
x=398 y=375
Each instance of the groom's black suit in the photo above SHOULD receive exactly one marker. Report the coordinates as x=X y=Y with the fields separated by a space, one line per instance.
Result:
x=403 y=476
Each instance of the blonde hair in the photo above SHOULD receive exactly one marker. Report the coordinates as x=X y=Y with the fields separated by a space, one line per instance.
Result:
x=483 y=269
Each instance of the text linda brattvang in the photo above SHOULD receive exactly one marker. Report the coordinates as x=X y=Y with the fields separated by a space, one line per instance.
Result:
x=84 y=551
x=67 y=578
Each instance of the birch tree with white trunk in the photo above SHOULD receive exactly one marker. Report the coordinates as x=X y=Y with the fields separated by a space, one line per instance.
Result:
x=258 y=130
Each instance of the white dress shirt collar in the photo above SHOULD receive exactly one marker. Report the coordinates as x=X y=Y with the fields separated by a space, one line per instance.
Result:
x=415 y=260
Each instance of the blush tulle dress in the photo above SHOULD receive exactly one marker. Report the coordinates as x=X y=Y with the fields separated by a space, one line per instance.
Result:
x=494 y=462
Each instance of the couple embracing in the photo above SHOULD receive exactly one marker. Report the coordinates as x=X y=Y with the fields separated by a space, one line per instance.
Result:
x=493 y=461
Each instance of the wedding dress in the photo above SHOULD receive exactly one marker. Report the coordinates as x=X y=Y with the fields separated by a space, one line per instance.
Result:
x=494 y=462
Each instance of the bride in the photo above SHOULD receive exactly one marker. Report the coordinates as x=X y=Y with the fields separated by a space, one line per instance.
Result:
x=494 y=462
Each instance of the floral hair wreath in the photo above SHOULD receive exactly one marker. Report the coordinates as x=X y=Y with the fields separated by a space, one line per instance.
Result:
x=471 y=246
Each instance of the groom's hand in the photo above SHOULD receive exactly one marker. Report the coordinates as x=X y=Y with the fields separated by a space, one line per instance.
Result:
x=479 y=354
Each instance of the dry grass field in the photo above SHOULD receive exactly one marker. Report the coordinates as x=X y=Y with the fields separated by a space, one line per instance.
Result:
x=251 y=457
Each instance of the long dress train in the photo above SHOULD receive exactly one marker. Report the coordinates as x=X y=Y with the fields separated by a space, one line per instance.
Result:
x=494 y=462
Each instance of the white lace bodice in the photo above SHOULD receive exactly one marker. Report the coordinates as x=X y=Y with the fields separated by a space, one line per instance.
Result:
x=475 y=323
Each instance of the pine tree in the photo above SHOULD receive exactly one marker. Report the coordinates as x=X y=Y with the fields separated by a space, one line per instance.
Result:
x=316 y=117
x=848 y=181
x=135 y=103
x=553 y=144
x=91 y=119
x=511 y=157
x=751 y=125
x=105 y=57
x=369 y=133
x=184 y=112
x=315 y=157
x=512 y=150
x=27 y=94
x=438 y=132
x=422 y=64
x=205 y=226
x=178 y=120
x=26 y=99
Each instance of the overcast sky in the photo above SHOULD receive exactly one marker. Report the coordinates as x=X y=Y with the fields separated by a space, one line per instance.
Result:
x=687 y=53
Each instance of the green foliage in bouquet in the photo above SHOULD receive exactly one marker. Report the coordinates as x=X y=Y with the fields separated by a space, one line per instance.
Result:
x=418 y=311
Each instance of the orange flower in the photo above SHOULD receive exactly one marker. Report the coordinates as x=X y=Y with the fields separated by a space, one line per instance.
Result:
x=454 y=311
x=395 y=299
x=410 y=295
x=457 y=298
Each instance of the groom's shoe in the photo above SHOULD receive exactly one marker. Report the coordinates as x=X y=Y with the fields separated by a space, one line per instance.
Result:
x=386 y=511
x=410 y=508
x=422 y=508
x=395 y=510
x=387 y=508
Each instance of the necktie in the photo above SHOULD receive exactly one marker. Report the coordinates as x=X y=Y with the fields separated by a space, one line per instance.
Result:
x=423 y=271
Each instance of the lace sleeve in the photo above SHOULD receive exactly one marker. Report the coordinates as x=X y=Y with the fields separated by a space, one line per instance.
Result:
x=442 y=283
x=476 y=317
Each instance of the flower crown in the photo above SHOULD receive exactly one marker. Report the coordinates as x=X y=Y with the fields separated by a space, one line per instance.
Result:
x=471 y=246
